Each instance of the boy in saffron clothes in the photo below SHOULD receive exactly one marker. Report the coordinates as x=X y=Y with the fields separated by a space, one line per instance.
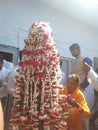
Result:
x=78 y=105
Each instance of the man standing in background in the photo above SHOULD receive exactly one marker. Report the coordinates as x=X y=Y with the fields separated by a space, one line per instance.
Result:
x=77 y=68
x=77 y=65
x=3 y=81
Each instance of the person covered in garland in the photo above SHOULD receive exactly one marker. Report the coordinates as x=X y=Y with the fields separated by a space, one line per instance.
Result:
x=37 y=103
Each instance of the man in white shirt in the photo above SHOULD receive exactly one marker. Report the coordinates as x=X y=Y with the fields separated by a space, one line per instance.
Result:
x=3 y=81
x=12 y=81
x=3 y=86
x=8 y=65
x=11 y=88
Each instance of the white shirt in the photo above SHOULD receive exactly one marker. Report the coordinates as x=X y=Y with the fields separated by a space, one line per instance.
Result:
x=4 y=80
x=11 y=87
x=4 y=75
x=93 y=79
x=8 y=65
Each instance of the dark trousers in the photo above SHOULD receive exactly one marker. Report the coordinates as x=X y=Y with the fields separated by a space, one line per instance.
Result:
x=94 y=117
x=7 y=105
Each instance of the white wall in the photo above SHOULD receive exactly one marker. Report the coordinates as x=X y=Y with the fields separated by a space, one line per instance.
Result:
x=17 y=15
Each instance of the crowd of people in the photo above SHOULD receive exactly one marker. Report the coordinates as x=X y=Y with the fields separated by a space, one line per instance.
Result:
x=38 y=94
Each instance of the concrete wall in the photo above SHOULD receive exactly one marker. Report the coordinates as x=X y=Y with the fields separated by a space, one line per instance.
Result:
x=17 y=15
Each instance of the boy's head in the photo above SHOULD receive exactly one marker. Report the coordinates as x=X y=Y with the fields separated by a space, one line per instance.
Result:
x=75 y=49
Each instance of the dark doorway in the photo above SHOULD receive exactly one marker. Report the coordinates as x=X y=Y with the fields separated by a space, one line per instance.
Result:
x=7 y=56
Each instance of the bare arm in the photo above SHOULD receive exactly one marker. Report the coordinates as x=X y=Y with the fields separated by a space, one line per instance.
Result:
x=1 y=118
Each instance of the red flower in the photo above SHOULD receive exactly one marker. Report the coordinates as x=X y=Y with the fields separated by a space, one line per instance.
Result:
x=35 y=78
x=49 y=47
x=26 y=109
x=46 y=96
x=24 y=51
x=20 y=64
x=28 y=52
x=41 y=74
x=31 y=62
x=33 y=52
x=41 y=51
x=19 y=81
x=35 y=63
x=16 y=108
x=57 y=113
x=52 y=57
x=45 y=63
x=54 y=65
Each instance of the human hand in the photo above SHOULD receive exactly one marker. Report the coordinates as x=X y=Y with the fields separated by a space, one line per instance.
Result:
x=73 y=102
x=86 y=67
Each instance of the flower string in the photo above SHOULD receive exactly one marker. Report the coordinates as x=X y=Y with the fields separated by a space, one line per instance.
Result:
x=37 y=103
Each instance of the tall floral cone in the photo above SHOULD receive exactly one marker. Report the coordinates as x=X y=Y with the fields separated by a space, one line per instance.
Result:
x=37 y=103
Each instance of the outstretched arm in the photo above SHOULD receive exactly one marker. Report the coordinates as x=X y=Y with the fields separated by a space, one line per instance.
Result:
x=1 y=118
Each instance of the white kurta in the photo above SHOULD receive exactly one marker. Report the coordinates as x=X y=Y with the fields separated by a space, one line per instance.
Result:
x=93 y=79
x=12 y=81
x=4 y=80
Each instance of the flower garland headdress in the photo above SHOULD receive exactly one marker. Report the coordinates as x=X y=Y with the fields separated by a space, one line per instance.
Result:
x=37 y=100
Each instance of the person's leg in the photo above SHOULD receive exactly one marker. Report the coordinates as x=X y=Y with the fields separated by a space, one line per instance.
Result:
x=1 y=118
x=8 y=108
